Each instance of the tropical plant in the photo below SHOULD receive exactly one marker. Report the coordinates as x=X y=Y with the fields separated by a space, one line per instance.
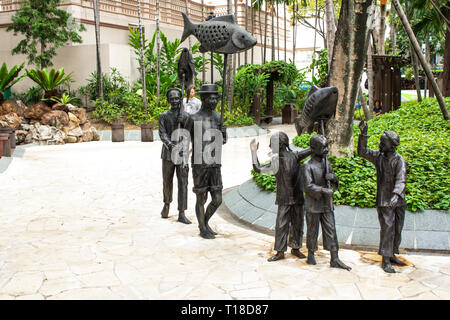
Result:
x=45 y=28
x=49 y=80
x=32 y=96
x=115 y=86
x=9 y=78
x=64 y=99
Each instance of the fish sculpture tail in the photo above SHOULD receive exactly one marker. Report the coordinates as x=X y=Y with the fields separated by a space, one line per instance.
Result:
x=188 y=27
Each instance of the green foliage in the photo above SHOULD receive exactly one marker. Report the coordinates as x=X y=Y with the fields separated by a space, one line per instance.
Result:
x=237 y=118
x=265 y=180
x=48 y=80
x=320 y=66
x=64 y=99
x=32 y=96
x=9 y=78
x=109 y=112
x=114 y=86
x=45 y=28
x=425 y=145
x=252 y=77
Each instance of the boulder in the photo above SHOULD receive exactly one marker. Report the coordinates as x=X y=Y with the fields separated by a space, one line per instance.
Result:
x=10 y=120
x=87 y=136
x=70 y=139
x=12 y=106
x=37 y=111
x=55 y=118
x=26 y=127
x=21 y=136
x=61 y=107
x=75 y=132
x=95 y=135
x=86 y=126
x=80 y=113
x=46 y=135
x=73 y=120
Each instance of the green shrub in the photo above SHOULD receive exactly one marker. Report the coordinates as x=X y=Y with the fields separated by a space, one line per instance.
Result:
x=109 y=112
x=30 y=97
x=425 y=145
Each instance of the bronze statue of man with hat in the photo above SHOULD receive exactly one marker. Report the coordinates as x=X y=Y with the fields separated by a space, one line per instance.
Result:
x=391 y=185
x=208 y=134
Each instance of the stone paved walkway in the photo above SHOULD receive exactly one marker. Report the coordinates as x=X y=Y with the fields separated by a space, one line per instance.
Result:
x=82 y=221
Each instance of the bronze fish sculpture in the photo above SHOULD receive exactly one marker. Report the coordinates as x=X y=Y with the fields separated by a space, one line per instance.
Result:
x=320 y=104
x=220 y=34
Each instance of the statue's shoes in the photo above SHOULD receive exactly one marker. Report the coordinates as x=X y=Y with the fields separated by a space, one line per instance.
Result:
x=397 y=261
x=276 y=257
x=339 y=264
x=298 y=254
x=387 y=268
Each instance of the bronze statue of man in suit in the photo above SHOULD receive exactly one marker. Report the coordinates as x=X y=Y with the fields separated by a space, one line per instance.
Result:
x=315 y=174
x=391 y=185
x=169 y=122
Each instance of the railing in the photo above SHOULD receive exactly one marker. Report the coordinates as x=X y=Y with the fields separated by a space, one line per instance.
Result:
x=169 y=13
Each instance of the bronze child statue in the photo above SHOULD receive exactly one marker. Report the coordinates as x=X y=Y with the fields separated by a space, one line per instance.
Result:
x=391 y=184
x=208 y=134
x=285 y=164
x=318 y=202
x=169 y=122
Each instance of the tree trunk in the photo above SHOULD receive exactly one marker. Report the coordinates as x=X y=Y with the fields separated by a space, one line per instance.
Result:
x=285 y=32
x=260 y=31
x=141 y=51
x=427 y=58
x=158 y=52
x=236 y=56
x=331 y=28
x=97 y=46
x=446 y=71
x=265 y=33
x=415 y=64
x=272 y=13
x=382 y=32
x=252 y=57
x=422 y=60
x=393 y=34
x=294 y=34
x=246 y=28
x=278 y=32
x=370 y=78
x=367 y=112
x=349 y=52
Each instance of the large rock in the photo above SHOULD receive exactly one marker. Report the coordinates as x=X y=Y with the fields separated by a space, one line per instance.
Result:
x=37 y=111
x=87 y=136
x=70 y=139
x=76 y=132
x=86 y=126
x=73 y=121
x=55 y=118
x=21 y=136
x=80 y=113
x=43 y=134
x=10 y=120
x=95 y=135
x=12 y=106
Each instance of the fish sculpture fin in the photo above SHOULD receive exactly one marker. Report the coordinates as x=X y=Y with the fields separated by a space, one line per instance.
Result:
x=312 y=90
x=225 y=18
x=188 y=27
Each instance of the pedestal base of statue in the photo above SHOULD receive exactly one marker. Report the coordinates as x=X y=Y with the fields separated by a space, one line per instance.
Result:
x=117 y=133
x=147 y=132
x=289 y=113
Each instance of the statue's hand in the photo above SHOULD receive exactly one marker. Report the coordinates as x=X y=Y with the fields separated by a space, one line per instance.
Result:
x=394 y=200
x=327 y=192
x=363 y=127
x=254 y=145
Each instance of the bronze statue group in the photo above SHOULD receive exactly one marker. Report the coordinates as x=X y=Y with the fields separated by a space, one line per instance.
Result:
x=304 y=191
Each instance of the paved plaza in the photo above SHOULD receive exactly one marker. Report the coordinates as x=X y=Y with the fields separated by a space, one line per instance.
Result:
x=82 y=221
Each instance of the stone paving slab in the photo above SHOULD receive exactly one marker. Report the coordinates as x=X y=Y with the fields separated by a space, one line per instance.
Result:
x=429 y=230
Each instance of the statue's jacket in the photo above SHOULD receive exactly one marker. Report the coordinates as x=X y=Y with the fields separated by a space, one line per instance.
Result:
x=391 y=173
x=168 y=123
x=312 y=175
